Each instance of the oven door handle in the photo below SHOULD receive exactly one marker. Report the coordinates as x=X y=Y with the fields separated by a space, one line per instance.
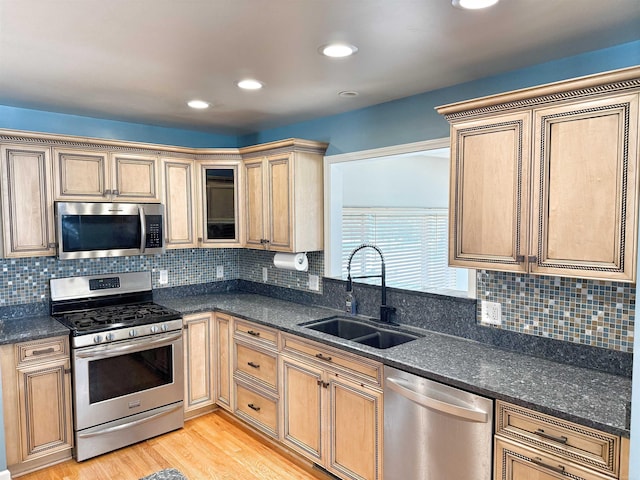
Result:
x=131 y=346
x=104 y=431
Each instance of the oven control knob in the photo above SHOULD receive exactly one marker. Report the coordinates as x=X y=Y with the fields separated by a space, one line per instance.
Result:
x=164 y=327
x=154 y=329
x=132 y=333
x=97 y=339
x=110 y=337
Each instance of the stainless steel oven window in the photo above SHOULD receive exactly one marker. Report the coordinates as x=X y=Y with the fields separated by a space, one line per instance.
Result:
x=130 y=373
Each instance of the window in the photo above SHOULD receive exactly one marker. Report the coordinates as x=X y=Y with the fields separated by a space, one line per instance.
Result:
x=396 y=199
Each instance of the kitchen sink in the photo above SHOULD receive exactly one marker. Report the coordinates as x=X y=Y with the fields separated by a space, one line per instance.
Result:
x=360 y=331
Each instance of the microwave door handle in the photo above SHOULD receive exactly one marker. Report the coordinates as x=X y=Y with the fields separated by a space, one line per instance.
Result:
x=143 y=229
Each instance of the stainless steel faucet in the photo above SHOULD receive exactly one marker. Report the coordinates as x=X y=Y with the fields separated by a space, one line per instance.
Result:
x=385 y=310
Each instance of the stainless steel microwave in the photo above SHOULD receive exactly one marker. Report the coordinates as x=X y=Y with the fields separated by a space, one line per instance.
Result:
x=91 y=230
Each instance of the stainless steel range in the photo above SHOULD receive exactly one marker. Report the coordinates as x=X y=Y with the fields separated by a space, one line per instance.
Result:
x=127 y=359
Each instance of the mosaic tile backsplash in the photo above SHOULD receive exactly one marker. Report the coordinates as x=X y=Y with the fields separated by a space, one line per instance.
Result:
x=590 y=312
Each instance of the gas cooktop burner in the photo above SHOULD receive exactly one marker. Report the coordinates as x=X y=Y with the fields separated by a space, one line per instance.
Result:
x=109 y=317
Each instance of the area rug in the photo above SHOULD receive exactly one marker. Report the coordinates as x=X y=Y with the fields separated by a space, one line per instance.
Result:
x=166 y=474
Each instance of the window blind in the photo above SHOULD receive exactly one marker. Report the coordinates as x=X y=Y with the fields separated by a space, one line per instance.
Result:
x=414 y=242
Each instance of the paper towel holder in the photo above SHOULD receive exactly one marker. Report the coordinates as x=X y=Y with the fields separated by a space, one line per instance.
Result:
x=291 y=261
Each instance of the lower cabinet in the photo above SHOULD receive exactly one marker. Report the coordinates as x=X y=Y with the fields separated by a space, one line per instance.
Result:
x=198 y=349
x=332 y=413
x=534 y=446
x=36 y=385
x=222 y=359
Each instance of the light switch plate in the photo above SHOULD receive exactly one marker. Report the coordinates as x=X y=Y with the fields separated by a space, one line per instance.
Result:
x=314 y=282
x=491 y=313
x=220 y=271
x=164 y=277
x=265 y=274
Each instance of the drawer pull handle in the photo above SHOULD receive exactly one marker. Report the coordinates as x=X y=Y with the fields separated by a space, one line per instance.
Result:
x=541 y=433
x=322 y=357
x=44 y=351
x=255 y=334
x=538 y=461
x=253 y=365
x=253 y=407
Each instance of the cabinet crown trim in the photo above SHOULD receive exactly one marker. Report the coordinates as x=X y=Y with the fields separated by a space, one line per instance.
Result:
x=602 y=83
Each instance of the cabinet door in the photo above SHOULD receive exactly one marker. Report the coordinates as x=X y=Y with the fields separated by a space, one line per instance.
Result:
x=44 y=394
x=356 y=418
x=198 y=361
x=27 y=207
x=180 y=214
x=489 y=193
x=585 y=189
x=302 y=397
x=516 y=462
x=220 y=213
x=279 y=203
x=255 y=203
x=80 y=175
x=223 y=365
x=134 y=178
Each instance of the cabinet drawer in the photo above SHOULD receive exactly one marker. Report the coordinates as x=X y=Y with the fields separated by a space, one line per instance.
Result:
x=258 y=365
x=259 y=409
x=514 y=462
x=37 y=351
x=259 y=333
x=581 y=445
x=359 y=368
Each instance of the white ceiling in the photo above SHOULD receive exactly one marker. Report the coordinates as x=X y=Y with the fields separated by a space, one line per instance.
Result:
x=141 y=60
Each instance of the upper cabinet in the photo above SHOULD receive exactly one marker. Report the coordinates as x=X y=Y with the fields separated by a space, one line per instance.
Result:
x=545 y=180
x=100 y=176
x=220 y=216
x=27 y=205
x=284 y=196
x=178 y=188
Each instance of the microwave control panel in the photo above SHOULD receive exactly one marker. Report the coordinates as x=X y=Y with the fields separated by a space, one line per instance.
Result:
x=154 y=231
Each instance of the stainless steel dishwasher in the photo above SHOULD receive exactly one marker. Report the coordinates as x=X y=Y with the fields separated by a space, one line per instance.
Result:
x=433 y=431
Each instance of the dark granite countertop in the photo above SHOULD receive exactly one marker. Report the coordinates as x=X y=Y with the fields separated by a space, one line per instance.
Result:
x=589 y=397
x=15 y=330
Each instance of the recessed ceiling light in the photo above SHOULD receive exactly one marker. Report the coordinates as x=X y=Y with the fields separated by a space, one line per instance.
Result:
x=250 y=84
x=348 y=93
x=473 y=4
x=198 y=104
x=338 y=50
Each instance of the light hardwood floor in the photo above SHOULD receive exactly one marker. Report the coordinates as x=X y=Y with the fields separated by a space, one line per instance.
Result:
x=208 y=447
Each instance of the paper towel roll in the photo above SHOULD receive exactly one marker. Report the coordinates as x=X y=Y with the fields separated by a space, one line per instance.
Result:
x=291 y=261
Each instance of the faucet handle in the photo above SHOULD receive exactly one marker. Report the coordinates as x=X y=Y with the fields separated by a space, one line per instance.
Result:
x=386 y=312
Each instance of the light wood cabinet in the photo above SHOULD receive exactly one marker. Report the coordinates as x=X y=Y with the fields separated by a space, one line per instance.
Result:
x=220 y=222
x=284 y=196
x=531 y=445
x=223 y=364
x=545 y=180
x=180 y=207
x=27 y=202
x=199 y=344
x=98 y=176
x=36 y=385
x=329 y=408
x=256 y=376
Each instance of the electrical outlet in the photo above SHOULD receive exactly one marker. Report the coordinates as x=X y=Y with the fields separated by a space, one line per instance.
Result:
x=164 y=277
x=314 y=282
x=491 y=313
x=265 y=274
x=220 y=271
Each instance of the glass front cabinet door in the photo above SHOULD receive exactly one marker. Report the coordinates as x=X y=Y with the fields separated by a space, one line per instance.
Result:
x=220 y=206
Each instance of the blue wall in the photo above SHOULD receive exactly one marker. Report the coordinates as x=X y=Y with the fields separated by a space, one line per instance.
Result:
x=402 y=121
x=39 y=121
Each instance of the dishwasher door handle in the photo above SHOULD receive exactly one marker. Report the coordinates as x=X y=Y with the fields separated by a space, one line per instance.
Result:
x=464 y=413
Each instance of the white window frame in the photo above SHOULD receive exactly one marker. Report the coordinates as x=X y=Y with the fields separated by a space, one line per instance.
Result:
x=333 y=203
